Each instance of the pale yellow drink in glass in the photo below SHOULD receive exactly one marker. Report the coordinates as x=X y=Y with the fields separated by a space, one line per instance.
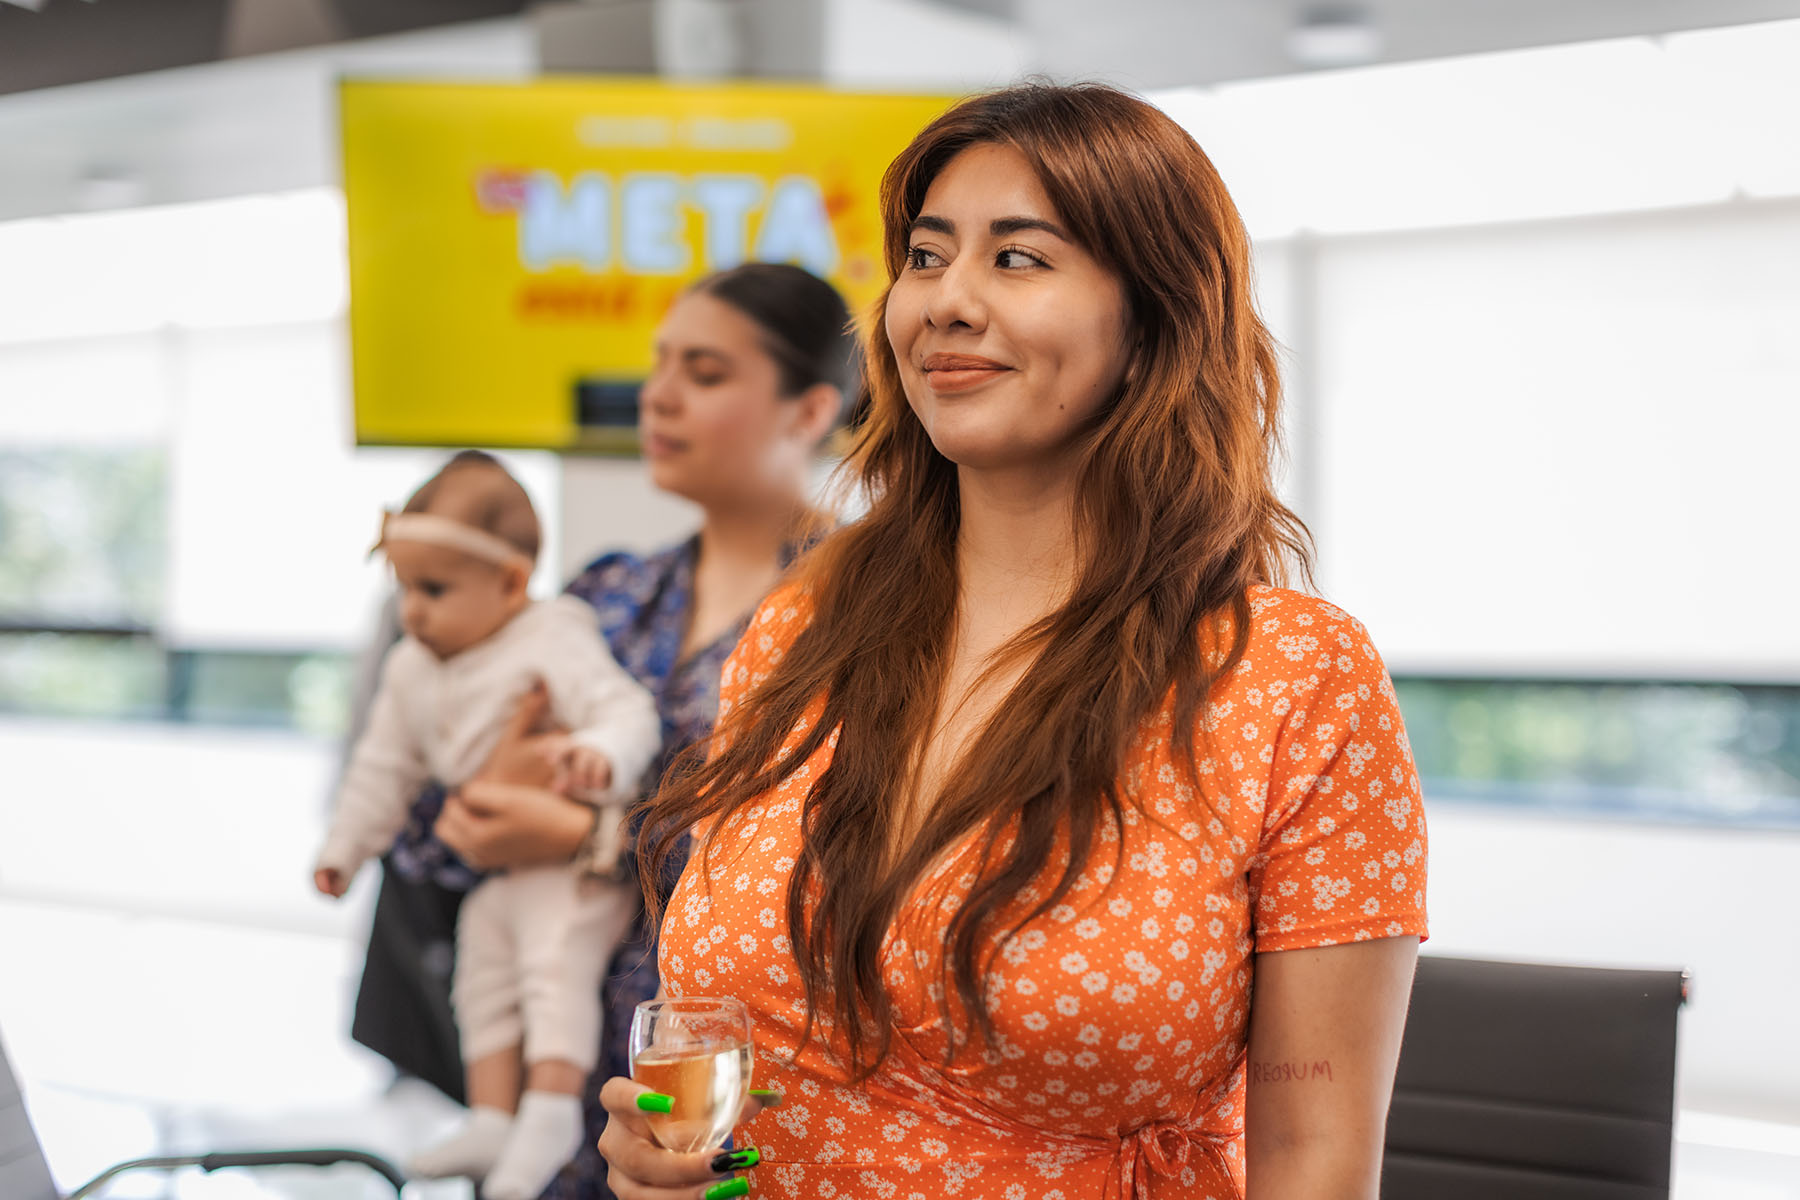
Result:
x=697 y=1051
x=708 y=1089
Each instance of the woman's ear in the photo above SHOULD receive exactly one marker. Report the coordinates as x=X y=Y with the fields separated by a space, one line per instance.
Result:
x=819 y=408
x=1134 y=365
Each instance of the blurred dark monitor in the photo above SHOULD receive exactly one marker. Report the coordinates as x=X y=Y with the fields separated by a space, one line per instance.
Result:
x=606 y=412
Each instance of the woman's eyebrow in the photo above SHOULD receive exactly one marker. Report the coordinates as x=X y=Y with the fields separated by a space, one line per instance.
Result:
x=999 y=227
x=1009 y=225
x=704 y=357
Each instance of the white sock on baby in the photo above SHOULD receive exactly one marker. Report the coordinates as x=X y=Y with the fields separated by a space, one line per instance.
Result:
x=470 y=1151
x=544 y=1136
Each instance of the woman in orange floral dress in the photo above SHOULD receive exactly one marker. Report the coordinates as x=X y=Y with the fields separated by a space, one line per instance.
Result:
x=1058 y=851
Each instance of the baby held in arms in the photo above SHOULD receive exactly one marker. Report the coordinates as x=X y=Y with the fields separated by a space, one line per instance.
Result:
x=531 y=944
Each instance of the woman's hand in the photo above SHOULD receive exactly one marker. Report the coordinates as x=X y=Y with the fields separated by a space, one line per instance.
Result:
x=530 y=749
x=508 y=815
x=639 y=1169
x=492 y=826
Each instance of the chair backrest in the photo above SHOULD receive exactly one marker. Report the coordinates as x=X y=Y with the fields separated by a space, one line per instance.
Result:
x=24 y=1175
x=1526 y=1080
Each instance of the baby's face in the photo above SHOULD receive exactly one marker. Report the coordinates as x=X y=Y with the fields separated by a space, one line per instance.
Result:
x=449 y=601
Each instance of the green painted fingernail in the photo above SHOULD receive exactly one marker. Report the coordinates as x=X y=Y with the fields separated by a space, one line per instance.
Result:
x=655 y=1102
x=735 y=1160
x=769 y=1097
x=731 y=1187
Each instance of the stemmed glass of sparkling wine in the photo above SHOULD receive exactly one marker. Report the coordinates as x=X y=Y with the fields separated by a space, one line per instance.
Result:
x=697 y=1051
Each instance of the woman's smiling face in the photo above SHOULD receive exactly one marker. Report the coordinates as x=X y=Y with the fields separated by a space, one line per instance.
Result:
x=1008 y=334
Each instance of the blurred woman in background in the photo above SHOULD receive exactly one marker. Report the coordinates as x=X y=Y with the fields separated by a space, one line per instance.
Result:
x=751 y=370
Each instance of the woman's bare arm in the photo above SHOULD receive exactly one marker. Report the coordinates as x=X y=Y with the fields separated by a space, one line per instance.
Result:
x=1325 y=1030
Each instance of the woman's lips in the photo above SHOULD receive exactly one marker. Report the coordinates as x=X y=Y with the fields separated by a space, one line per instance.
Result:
x=657 y=445
x=960 y=372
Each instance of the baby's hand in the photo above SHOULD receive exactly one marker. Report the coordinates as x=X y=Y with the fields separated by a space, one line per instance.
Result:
x=584 y=769
x=331 y=882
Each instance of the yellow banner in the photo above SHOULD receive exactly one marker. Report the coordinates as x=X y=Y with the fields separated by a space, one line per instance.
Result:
x=513 y=246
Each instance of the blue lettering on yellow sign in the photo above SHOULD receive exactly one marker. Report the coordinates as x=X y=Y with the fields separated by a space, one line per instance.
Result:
x=573 y=224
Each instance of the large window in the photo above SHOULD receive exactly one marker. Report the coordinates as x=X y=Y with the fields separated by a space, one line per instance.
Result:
x=1538 y=308
x=1676 y=751
x=82 y=590
x=84 y=532
x=81 y=579
x=183 y=517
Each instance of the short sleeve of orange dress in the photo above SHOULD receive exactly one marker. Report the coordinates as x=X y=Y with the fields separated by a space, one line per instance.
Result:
x=1121 y=1016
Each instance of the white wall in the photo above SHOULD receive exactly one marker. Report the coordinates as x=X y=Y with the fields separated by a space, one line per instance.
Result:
x=1566 y=447
x=193 y=822
x=609 y=504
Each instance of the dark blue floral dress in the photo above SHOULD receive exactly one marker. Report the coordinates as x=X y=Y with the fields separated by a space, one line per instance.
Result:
x=642 y=605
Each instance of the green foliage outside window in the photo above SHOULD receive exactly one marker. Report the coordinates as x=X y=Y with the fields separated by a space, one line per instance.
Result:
x=1680 y=750
x=82 y=534
x=83 y=543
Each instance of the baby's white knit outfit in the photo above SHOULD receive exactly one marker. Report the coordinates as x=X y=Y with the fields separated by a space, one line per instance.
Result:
x=531 y=945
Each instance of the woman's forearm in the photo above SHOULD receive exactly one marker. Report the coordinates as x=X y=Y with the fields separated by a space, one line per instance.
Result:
x=563 y=834
x=499 y=825
x=1316 y=1169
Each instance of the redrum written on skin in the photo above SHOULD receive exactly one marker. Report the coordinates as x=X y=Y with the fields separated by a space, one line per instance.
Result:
x=1298 y=1071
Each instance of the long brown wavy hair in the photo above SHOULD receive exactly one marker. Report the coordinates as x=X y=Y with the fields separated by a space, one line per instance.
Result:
x=1176 y=516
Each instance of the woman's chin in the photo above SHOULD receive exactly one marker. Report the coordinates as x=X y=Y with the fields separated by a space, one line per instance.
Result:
x=668 y=473
x=988 y=451
x=677 y=476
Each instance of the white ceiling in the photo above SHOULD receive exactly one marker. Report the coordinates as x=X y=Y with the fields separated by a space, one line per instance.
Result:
x=266 y=123
x=220 y=129
x=1173 y=43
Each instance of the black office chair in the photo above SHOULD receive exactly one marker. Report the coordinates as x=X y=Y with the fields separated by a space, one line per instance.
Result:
x=1520 y=1081
x=24 y=1175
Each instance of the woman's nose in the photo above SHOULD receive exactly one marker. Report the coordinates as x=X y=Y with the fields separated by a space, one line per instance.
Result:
x=657 y=394
x=957 y=297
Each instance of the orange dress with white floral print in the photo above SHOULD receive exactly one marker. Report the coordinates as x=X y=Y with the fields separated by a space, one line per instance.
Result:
x=1122 y=1015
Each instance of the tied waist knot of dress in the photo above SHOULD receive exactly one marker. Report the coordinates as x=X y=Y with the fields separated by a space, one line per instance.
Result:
x=1169 y=1150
